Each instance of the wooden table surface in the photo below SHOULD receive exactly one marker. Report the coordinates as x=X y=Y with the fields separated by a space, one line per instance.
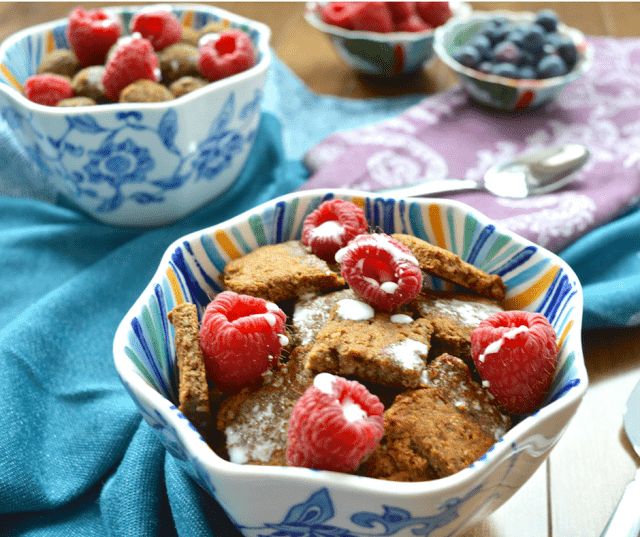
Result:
x=576 y=490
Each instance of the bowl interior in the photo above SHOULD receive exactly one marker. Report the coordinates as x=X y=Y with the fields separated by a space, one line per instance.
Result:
x=191 y=269
x=21 y=54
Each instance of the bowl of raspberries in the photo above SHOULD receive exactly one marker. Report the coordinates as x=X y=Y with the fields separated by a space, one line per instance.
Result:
x=512 y=61
x=383 y=38
x=371 y=362
x=137 y=115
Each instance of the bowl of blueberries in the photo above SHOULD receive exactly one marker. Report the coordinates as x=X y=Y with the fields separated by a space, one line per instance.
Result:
x=512 y=61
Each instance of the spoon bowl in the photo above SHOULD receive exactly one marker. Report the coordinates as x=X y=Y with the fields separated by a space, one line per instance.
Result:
x=531 y=174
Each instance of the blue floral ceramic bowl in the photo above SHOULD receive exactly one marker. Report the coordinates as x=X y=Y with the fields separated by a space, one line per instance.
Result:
x=392 y=54
x=138 y=164
x=310 y=502
x=497 y=91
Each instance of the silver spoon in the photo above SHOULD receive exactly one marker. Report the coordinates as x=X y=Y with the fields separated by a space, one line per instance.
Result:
x=531 y=174
x=625 y=521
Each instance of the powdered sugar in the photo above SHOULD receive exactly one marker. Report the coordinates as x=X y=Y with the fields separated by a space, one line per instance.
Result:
x=409 y=354
x=354 y=310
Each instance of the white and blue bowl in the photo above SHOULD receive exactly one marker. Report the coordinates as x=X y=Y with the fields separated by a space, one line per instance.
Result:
x=329 y=502
x=497 y=91
x=138 y=164
x=385 y=55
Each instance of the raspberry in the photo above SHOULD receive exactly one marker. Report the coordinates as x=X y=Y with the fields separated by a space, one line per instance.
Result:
x=412 y=24
x=131 y=61
x=334 y=425
x=227 y=54
x=47 y=89
x=338 y=14
x=372 y=17
x=91 y=34
x=380 y=270
x=516 y=354
x=159 y=26
x=401 y=11
x=434 y=13
x=331 y=226
x=241 y=338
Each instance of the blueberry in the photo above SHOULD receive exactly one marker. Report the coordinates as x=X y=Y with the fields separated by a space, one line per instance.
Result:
x=468 y=56
x=547 y=19
x=485 y=67
x=551 y=66
x=482 y=44
x=508 y=70
x=533 y=38
x=528 y=58
x=527 y=72
x=567 y=51
x=506 y=52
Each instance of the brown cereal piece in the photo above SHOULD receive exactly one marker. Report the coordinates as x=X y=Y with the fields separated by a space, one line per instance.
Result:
x=192 y=382
x=450 y=267
x=187 y=84
x=88 y=83
x=255 y=421
x=279 y=272
x=59 y=62
x=214 y=27
x=395 y=460
x=76 y=101
x=178 y=60
x=454 y=317
x=385 y=349
x=436 y=430
x=190 y=36
x=145 y=91
x=312 y=312
x=453 y=378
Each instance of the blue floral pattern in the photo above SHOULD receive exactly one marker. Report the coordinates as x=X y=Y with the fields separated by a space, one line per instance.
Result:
x=134 y=161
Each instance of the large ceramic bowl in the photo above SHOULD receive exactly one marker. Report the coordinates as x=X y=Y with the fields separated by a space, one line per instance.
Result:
x=497 y=91
x=329 y=502
x=391 y=54
x=138 y=164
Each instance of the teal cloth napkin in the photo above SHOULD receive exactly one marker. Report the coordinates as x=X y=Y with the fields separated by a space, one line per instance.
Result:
x=75 y=456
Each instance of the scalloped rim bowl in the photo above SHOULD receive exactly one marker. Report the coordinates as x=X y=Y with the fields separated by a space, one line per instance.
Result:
x=138 y=164
x=497 y=91
x=374 y=53
x=190 y=270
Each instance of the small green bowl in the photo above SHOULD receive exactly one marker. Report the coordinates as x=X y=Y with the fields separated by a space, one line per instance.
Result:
x=392 y=54
x=497 y=91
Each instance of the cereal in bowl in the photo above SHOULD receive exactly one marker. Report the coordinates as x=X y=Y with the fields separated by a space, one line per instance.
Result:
x=314 y=371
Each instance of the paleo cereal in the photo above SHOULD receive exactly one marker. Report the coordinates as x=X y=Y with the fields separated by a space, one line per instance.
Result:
x=349 y=364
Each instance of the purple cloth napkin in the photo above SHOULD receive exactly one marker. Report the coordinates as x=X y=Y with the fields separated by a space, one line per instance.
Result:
x=449 y=136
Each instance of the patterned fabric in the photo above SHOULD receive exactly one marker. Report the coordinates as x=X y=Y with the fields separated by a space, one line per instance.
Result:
x=448 y=136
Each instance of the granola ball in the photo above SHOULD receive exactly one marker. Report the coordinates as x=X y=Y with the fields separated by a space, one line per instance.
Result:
x=59 y=62
x=177 y=61
x=88 y=83
x=76 y=101
x=187 y=84
x=145 y=91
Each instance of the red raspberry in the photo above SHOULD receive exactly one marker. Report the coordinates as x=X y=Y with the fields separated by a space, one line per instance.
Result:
x=516 y=354
x=47 y=89
x=434 y=13
x=229 y=53
x=338 y=14
x=241 y=337
x=372 y=17
x=401 y=11
x=91 y=34
x=380 y=270
x=132 y=60
x=334 y=425
x=159 y=26
x=412 y=24
x=331 y=226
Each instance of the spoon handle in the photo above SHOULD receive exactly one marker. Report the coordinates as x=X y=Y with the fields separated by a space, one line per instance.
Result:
x=429 y=188
x=625 y=521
